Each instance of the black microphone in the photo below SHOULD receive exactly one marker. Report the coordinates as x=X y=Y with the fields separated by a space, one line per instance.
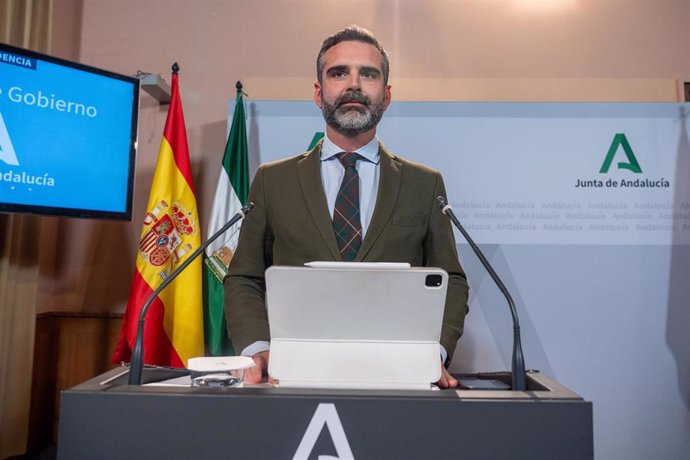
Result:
x=518 y=376
x=136 y=364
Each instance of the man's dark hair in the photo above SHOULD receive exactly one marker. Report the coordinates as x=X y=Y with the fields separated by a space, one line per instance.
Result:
x=352 y=33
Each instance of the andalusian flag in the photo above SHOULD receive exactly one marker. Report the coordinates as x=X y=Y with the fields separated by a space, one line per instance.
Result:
x=231 y=195
x=174 y=325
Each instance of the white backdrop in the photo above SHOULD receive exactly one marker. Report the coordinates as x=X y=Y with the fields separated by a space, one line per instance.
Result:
x=600 y=274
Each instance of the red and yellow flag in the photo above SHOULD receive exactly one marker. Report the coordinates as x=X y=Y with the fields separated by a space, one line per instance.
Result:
x=174 y=322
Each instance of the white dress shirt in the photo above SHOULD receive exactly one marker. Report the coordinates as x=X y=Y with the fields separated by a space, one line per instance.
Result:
x=332 y=172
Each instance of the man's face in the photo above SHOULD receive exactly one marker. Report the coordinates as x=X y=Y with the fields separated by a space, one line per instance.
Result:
x=352 y=95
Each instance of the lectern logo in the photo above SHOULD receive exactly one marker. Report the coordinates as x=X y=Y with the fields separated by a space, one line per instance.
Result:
x=619 y=140
x=7 y=154
x=325 y=415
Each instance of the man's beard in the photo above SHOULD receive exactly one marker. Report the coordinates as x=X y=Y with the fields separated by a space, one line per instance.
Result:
x=352 y=120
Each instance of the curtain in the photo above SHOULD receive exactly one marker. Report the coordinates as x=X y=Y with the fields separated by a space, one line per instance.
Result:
x=26 y=24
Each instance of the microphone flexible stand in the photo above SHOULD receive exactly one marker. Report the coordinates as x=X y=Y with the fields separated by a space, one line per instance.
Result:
x=136 y=364
x=518 y=375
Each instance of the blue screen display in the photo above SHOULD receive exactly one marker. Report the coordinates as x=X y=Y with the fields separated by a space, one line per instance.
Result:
x=67 y=137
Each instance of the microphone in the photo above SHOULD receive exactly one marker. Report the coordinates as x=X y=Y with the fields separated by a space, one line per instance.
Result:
x=518 y=376
x=136 y=364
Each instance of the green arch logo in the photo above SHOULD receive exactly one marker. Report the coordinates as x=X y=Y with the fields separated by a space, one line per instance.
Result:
x=619 y=140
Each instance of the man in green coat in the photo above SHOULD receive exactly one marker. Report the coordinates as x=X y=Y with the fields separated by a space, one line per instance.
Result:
x=348 y=199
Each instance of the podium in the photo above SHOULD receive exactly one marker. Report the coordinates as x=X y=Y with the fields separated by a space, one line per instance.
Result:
x=116 y=421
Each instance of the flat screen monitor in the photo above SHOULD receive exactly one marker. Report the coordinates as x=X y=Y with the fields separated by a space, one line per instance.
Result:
x=68 y=137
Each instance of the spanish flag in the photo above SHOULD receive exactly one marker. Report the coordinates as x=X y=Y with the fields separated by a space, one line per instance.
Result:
x=174 y=322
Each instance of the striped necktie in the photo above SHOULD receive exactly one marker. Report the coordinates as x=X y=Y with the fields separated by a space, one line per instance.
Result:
x=346 y=221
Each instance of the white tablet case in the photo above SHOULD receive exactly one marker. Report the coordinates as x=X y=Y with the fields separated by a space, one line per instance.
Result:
x=354 y=325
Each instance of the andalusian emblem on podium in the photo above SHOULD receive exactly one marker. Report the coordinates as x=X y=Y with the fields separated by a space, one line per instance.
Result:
x=164 y=244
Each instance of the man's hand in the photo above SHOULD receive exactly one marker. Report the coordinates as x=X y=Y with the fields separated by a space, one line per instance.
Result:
x=446 y=380
x=258 y=373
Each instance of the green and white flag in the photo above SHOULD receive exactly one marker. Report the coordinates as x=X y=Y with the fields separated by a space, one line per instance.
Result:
x=231 y=195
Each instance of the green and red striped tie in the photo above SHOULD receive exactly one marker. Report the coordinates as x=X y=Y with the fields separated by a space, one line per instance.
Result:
x=346 y=221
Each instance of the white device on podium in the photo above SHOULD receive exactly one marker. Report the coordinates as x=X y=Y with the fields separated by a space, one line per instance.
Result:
x=355 y=325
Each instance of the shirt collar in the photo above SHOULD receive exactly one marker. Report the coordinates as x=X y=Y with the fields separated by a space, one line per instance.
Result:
x=370 y=152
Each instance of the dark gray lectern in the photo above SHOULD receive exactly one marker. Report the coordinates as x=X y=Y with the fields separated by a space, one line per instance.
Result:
x=116 y=421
